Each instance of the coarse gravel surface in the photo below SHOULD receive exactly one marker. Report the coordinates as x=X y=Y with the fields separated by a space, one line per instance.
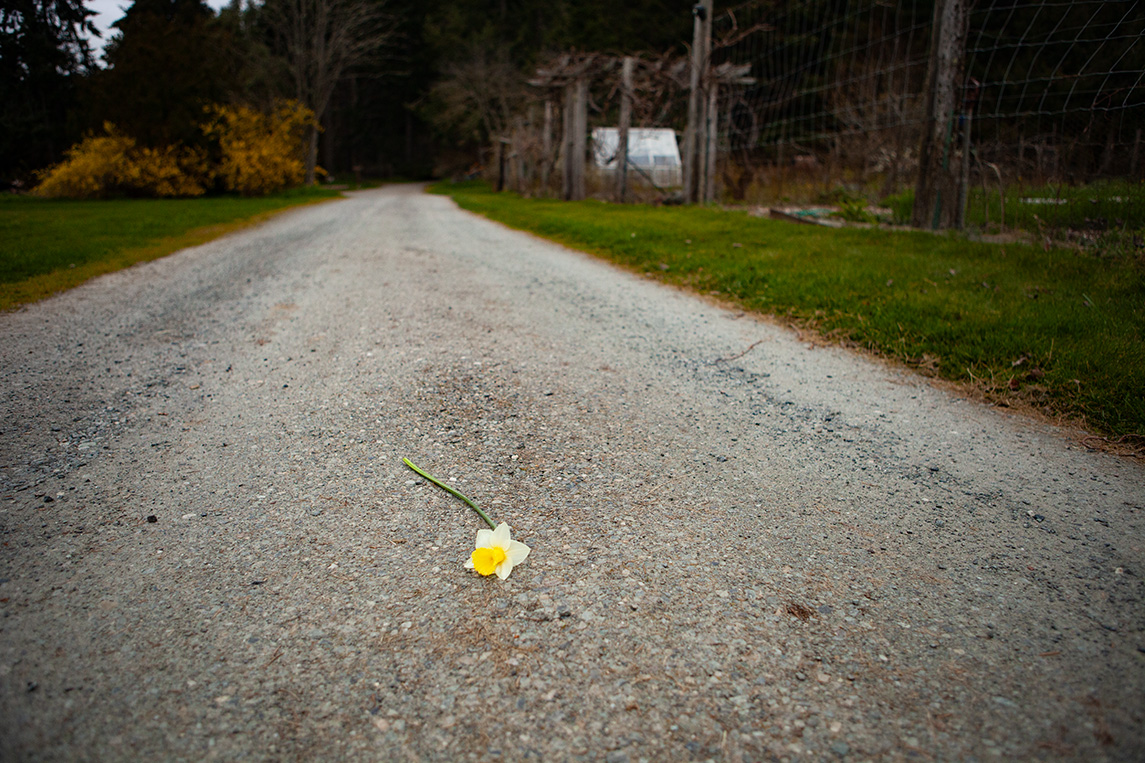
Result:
x=743 y=547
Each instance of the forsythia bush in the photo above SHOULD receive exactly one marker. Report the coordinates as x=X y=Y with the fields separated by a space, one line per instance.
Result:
x=112 y=164
x=258 y=153
x=93 y=166
x=169 y=171
x=261 y=153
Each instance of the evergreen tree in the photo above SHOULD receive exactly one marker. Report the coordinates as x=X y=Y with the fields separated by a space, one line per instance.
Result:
x=166 y=63
x=43 y=53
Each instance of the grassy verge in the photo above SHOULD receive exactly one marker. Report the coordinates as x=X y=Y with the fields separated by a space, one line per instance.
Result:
x=1058 y=330
x=48 y=246
x=1098 y=213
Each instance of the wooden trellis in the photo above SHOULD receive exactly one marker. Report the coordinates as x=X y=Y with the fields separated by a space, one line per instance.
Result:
x=570 y=76
x=641 y=84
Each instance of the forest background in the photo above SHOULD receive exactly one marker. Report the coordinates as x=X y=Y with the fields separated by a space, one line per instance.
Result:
x=399 y=105
x=820 y=101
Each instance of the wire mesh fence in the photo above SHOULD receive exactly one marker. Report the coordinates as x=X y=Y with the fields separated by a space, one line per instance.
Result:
x=837 y=98
x=814 y=101
x=1050 y=100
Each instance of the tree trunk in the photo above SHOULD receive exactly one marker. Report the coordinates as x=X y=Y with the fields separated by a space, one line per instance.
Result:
x=328 y=146
x=312 y=156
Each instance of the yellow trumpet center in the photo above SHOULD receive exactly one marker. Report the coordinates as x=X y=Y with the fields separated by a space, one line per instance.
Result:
x=485 y=560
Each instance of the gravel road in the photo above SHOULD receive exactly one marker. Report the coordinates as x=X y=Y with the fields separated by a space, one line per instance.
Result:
x=743 y=547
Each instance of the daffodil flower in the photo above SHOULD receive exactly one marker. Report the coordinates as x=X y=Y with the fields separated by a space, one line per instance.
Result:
x=496 y=552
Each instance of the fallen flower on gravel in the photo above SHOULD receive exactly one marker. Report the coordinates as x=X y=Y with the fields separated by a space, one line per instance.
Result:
x=496 y=552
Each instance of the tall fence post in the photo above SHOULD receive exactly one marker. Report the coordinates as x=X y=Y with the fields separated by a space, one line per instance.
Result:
x=575 y=139
x=579 y=138
x=695 y=136
x=711 y=125
x=566 y=140
x=936 y=193
x=547 y=147
x=626 y=72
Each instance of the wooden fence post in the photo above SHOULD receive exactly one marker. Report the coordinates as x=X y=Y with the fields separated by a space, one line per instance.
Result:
x=695 y=136
x=710 y=127
x=622 y=129
x=572 y=74
x=936 y=192
x=567 y=151
x=575 y=139
x=547 y=147
x=579 y=144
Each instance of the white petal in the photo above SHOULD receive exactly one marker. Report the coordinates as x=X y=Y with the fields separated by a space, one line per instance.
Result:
x=484 y=539
x=504 y=568
x=469 y=563
x=517 y=552
x=501 y=536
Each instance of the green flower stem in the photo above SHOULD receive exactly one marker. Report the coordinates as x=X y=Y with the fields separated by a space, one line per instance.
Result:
x=448 y=489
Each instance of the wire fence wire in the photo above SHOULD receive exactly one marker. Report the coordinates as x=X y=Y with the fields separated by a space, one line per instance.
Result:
x=1053 y=94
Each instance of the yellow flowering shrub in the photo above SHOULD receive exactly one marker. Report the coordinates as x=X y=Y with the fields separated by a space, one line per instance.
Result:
x=93 y=167
x=261 y=152
x=112 y=164
x=169 y=171
x=258 y=153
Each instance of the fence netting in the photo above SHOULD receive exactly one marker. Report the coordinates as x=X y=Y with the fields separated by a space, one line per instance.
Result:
x=1052 y=99
x=829 y=99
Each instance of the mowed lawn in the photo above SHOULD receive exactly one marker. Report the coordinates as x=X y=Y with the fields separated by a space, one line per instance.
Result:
x=47 y=246
x=1059 y=330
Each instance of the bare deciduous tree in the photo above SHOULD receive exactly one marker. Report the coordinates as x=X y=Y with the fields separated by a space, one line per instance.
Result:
x=322 y=41
x=477 y=96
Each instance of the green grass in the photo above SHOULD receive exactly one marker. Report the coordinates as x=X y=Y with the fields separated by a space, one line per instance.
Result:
x=47 y=246
x=1049 y=209
x=1060 y=330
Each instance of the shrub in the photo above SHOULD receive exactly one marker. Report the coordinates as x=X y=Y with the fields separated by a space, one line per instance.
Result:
x=258 y=153
x=92 y=167
x=901 y=205
x=855 y=211
x=169 y=171
x=261 y=152
x=106 y=165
